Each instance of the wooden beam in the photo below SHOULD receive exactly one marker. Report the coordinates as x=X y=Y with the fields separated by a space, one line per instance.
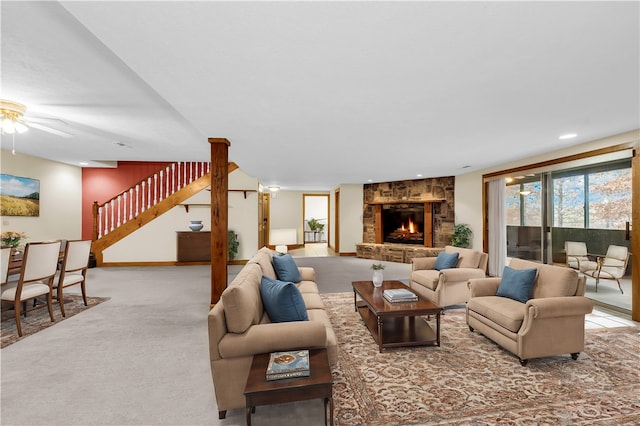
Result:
x=428 y=225
x=219 y=215
x=377 y=212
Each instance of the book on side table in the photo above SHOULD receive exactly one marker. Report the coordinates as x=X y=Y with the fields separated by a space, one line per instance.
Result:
x=399 y=295
x=288 y=364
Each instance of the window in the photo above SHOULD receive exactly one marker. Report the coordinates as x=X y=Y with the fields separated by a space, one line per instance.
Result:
x=512 y=198
x=524 y=204
x=595 y=197
x=532 y=203
x=568 y=202
x=609 y=199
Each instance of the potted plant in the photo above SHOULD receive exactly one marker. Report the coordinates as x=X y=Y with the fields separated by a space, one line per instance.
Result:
x=233 y=244
x=461 y=235
x=315 y=226
x=377 y=274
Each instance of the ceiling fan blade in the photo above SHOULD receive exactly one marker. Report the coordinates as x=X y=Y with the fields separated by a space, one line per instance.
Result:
x=33 y=119
x=49 y=130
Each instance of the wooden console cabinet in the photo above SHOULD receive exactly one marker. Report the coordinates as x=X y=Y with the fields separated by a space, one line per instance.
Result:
x=194 y=246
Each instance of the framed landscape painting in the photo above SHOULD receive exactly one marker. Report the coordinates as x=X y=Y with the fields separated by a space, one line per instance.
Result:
x=19 y=196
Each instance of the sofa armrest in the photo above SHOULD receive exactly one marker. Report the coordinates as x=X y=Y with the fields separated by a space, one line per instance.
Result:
x=307 y=273
x=556 y=307
x=419 y=263
x=479 y=287
x=271 y=337
x=460 y=274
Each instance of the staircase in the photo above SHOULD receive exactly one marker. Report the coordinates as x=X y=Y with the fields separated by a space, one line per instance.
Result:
x=146 y=200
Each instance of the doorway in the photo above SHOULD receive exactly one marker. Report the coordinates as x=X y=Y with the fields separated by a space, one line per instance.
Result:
x=315 y=218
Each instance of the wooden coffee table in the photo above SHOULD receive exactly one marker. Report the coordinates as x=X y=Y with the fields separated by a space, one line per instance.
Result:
x=395 y=324
x=319 y=384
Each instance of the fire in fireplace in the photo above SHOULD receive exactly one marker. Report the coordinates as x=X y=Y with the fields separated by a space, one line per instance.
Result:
x=403 y=223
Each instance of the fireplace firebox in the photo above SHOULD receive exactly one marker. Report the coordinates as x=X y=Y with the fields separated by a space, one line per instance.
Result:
x=403 y=223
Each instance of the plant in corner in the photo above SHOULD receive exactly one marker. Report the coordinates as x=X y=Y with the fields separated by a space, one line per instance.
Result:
x=233 y=245
x=461 y=235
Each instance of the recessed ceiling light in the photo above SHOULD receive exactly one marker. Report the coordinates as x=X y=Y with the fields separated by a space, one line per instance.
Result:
x=83 y=163
x=369 y=180
x=568 y=136
x=419 y=175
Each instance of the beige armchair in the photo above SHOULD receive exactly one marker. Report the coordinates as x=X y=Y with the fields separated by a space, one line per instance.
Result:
x=448 y=286
x=550 y=323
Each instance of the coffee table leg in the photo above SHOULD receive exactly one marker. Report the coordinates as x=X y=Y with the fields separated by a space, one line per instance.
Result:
x=328 y=401
x=380 y=333
x=249 y=409
x=438 y=328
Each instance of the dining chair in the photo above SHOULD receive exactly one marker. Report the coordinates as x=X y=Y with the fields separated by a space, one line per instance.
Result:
x=39 y=264
x=611 y=266
x=576 y=252
x=5 y=258
x=73 y=270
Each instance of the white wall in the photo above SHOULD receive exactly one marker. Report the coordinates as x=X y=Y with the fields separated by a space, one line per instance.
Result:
x=285 y=211
x=351 y=207
x=468 y=195
x=60 y=198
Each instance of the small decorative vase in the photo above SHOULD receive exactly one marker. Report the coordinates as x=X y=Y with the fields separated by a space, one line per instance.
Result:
x=377 y=278
x=196 y=225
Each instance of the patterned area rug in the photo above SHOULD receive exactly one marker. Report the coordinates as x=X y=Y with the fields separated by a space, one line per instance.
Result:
x=38 y=319
x=471 y=380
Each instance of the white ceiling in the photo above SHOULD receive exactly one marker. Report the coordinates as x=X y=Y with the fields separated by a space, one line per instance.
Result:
x=316 y=94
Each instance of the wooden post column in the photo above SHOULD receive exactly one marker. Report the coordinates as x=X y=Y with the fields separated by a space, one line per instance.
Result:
x=219 y=215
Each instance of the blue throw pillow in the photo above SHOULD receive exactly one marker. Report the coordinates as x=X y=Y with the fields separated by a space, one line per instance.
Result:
x=286 y=268
x=282 y=301
x=517 y=284
x=446 y=261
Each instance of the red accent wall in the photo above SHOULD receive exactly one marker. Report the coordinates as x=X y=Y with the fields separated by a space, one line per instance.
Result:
x=102 y=184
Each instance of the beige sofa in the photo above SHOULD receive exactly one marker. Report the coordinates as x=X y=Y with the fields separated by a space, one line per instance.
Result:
x=239 y=327
x=448 y=286
x=550 y=323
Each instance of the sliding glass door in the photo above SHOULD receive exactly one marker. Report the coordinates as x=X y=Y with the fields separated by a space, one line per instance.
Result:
x=524 y=215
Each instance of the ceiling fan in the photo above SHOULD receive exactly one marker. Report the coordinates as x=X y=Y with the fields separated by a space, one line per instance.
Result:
x=14 y=121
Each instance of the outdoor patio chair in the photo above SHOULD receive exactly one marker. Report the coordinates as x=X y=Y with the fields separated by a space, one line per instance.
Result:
x=612 y=266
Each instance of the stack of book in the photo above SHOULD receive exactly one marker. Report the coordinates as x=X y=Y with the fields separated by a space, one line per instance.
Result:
x=288 y=364
x=397 y=295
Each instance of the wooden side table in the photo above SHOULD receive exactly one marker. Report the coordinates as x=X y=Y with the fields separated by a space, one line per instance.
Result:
x=319 y=384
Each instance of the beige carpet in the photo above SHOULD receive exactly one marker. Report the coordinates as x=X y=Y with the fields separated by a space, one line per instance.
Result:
x=471 y=380
x=38 y=319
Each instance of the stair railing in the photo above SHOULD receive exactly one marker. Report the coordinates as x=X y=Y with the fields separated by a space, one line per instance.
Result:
x=144 y=194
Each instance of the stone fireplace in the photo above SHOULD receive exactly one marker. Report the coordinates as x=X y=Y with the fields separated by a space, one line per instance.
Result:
x=431 y=200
